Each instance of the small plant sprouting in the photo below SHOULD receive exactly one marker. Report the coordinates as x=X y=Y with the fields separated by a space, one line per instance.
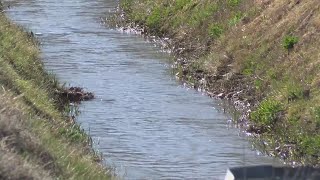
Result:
x=289 y=42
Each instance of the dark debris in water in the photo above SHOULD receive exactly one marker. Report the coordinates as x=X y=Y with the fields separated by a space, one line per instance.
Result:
x=75 y=94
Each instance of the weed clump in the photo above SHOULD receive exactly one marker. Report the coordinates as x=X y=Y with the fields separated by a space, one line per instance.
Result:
x=267 y=113
x=294 y=92
x=215 y=30
x=289 y=42
x=311 y=146
x=236 y=19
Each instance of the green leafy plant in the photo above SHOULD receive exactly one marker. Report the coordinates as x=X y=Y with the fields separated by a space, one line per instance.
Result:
x=289 y=42
x=215 y=30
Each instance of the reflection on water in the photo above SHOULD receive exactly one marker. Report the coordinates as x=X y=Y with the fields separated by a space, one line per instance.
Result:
x=144 y=123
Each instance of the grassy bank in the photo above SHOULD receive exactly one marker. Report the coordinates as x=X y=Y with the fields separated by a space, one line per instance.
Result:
x=263 y=53
x=36 y=140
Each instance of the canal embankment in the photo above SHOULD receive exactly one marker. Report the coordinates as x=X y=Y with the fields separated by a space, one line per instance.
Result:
x=38 y=141
x=262 y=55
x=146 y=124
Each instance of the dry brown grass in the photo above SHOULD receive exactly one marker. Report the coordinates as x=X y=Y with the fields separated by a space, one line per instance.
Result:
x=14 y=167
x=21 y=155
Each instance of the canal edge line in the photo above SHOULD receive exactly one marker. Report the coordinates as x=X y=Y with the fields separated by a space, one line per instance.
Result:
x=37 y=140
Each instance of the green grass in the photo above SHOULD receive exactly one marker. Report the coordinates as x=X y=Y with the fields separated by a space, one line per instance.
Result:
x=38 y=113
x=234 y=3
x=236 y=18
x=316 y=115
x=180 y=4
x=201 y=13
x=154 y=20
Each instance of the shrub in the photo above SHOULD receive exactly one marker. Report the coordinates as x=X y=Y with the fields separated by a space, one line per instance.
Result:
x=267 y=112
x=215 y=30
x=289 y=42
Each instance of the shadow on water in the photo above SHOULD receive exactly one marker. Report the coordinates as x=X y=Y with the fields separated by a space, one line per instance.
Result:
x=142 y=120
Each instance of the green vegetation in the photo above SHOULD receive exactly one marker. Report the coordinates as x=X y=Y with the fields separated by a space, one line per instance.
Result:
x=180 y=4
x=267 y=113
x=289 y=42
x=200 y=13
x=238 y=46
x=37 y=141
x=316 y=115
x=215 y=30
x=233 y=2
x=236 y=19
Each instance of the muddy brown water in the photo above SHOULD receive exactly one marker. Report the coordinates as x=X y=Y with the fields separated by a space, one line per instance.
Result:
x=144 y=122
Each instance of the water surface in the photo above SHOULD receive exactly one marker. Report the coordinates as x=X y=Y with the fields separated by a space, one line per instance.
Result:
x=145 y=123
